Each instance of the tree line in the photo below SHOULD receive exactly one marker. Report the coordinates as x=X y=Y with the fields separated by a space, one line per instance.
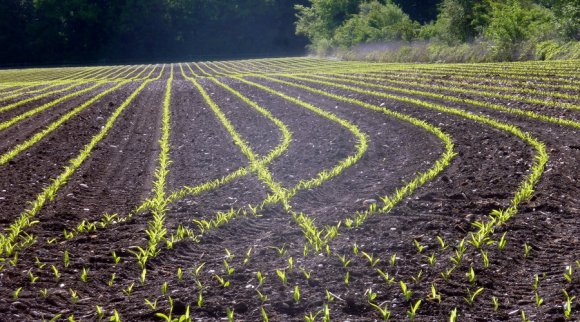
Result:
x=510 y=28
x=47 y=32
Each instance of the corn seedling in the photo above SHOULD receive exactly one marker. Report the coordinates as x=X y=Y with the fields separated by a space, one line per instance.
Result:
x=290 y=264
x=112 y=280
x=471 y=275
x=116 y=259
x=228 y=270
x=344 y=260
x=200 y=300
x=129 y=290
x=85 y=274
x=307 y=274
x=371 y=296
x=370 y=258
x=74 y=296
x=248 y=255
x=282 y=275
x=536 y=283
x=311 y=317
x=66 y=258
x=527 y=250
x=383 y=311
x=38 y=263
x=223 y=282
x=179 y=274
x=407 y=293
x=44 y=292
x=355 y=249
x=115 y=317
x=16 y=293
x=539 y=300
x=418 y=245
x=417 y=279
x=434 y=296
x=495 y=302
x=442 y=243
x=568 y=304
x=100 y=312
x=260 y=278
x=569 y=274
x=485 y=258
x=33 y=279
x=230 y=314
x=263 y=298
x=412 y=312
x=470 y=299
x=264 y=315
x=389 y=280
x=151 y=304
x=347 y=278
x=453 y=315
x=55 y=272
x=523 y=316
x=393 y=260
x=281 y=251
x=329 y=296
x=296 y=294
x=143 y=276
x=431 y=259
x=326 y=313
x=502 y=242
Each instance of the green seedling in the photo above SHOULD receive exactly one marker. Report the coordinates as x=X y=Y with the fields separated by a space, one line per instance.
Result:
x=16 y=293
x=453 y=315
x=260 y=278
x=417 y=279
x=389 y=280
x=115 y=317
x=307 y=274
x=536 y=283
x=371 y=296
x=151 y=304
x=471 y=275
x=100 y=312
x=248 y=256
x=44 y=292
x=39 y=264
x=116 y=259
x=495 y=302
x=282 y=275
x=66 y=258
x=539 y=300
x=372 y=261
x=344 y=260
x=485 y=258
x=447 y=273
x=393 y=260
x=348 y=223
x=230 y=313
x=264 y=315
x=383 y=311
x=329 y=296
x=85 y=275
x=523 y=316
x=55 y=272
x=442 y=243
x=412 y=312
x=223 y=282
x=527 y=250
x=568 y=304
x=129 y=290
x=263 y=298
x=407 y=293
x=290 y=264
x=74 y=295
x=431 y=259
x=470 y=299
x=420 y=247
x=227 y=268
x=434 y=296
x=281 y=251
x=143 y=276
x=326 y=313
x=32 y=277
x=296 y=294
x=502 y=242
x=179 y=274
x=355 y=249
x=200 y=299
x=347 y=278
x=569 y=274
x=311 y=317
x=112 y=280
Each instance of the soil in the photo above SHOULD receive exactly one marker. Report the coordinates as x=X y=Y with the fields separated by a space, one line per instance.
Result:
x=118 y=177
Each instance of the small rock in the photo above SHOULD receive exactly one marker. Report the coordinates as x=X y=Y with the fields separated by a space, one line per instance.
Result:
x=369 y=202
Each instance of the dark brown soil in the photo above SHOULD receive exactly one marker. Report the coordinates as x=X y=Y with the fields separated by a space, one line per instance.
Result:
x=119 y=174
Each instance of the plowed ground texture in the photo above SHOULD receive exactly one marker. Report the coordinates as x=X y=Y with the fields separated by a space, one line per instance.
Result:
x=291 y=189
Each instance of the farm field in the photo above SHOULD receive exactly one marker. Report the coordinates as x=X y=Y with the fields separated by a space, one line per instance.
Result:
x=291 y=189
